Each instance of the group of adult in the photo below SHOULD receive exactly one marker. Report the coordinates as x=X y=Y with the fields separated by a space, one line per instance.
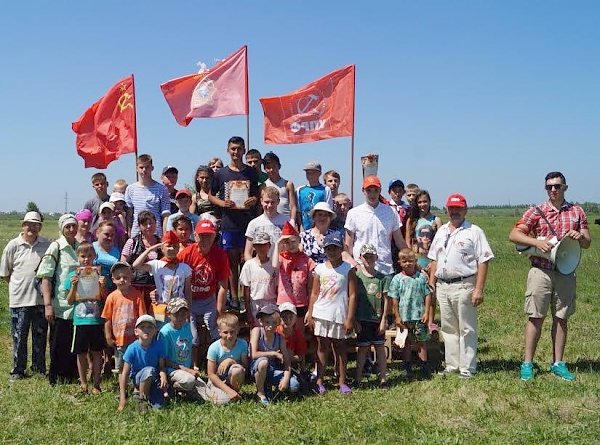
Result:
x=456 y=254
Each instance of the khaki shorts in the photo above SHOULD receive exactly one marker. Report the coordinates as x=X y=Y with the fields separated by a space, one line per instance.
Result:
x=549 y=289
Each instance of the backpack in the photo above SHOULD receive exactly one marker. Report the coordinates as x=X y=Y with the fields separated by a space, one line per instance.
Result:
x=37 y=282
x=139 y=277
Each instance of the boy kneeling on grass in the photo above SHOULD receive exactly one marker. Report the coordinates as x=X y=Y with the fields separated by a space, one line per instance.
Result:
x=270 y=358
x=227 y=360
x=144 y=363
x=176 y=337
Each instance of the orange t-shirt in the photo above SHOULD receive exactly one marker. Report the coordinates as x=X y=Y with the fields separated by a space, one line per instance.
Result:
x=123 y=311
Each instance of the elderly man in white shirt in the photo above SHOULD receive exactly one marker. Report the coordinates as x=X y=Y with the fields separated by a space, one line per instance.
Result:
x=460 y=254
x=374 y=222
x=19 y=261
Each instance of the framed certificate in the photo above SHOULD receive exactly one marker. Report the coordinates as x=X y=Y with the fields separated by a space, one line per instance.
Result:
x=369 y=163
x=88 y=286
x=239 y=191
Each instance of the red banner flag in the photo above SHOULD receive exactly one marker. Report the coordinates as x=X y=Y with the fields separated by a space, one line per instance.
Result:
x=107 y=129
x=322 y=109
x=215 y=92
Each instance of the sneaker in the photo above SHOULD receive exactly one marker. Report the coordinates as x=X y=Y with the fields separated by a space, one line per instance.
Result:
x=15 y=377
x=465 y=375
x=526 y=373
x=446 y=372
x=560 y=369
x=263 y=400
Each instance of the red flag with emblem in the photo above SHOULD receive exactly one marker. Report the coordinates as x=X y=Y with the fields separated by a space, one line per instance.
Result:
x=214 y=92
x=108 y=129
x=322 y=109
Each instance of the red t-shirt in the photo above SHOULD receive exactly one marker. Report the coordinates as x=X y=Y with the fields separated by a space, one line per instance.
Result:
x=295 y=343
x=207 y=270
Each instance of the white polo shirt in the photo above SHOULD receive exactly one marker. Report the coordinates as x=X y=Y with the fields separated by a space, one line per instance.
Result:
x=458 y=254
x=374 y=225
x=19 y=261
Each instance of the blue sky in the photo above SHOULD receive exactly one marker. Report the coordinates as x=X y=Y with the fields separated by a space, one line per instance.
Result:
x=482 y=98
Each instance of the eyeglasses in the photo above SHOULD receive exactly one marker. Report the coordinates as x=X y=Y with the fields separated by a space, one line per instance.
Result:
x=554 y=186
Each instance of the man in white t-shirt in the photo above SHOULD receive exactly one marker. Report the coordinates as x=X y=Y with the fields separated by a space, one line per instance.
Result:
x=270 y=222
x=376 y=223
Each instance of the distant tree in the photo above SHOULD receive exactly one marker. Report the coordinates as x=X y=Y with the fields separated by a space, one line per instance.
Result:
x=32 y=207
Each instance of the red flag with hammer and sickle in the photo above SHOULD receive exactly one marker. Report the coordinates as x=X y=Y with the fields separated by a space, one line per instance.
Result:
x=107 y=129
x=322 y=109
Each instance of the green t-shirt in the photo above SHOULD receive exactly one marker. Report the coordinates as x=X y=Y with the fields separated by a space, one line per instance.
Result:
x=370 y=294
x=84 y=312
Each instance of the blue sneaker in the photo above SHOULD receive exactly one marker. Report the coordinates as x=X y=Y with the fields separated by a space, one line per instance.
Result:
x=526 y=371
x=560 y=369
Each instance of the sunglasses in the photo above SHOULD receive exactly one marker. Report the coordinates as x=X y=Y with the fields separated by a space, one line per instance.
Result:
x=554 y=186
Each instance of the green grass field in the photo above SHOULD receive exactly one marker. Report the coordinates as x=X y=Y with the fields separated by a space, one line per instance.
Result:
x=493 y=407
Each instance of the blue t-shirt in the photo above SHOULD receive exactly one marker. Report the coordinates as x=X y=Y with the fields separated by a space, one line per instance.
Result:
x=178 y=344
x=139 y=357
x=84 y=312
x=216 y=353
x=308 y=197
x=106 y=260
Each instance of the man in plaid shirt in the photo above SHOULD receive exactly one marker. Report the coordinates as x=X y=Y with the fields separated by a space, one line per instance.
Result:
x=546 y=287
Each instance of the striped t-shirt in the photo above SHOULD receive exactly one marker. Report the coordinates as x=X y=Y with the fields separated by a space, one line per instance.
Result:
x=154 y=198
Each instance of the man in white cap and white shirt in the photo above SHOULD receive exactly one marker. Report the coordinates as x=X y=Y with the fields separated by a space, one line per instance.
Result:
x=19 y=261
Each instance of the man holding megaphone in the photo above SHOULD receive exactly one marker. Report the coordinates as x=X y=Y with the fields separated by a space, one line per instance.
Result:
x=547 y=288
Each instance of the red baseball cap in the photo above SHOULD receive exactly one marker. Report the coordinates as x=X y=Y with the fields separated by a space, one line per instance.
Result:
x=183 y=192
x=456 y=200
x=370 y=181
x=205 y=226
x=170 y=237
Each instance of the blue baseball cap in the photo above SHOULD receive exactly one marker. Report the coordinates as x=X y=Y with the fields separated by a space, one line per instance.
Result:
x=333 y=239
x=395 y=182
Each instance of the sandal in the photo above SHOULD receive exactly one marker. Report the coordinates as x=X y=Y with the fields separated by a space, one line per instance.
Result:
x=321 y=388
x=345 y=389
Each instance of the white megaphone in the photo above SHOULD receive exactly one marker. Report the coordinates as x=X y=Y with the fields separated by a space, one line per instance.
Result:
x=565 y=254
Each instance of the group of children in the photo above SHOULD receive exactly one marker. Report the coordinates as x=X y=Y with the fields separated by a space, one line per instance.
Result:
x=288 y=297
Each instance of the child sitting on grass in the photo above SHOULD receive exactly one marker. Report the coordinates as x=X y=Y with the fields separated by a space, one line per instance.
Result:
x=371 y=308
x=123 y=306
x=270 y=359
x=176 y=337
x=294 y=339
x=144 y=364
x=412 y=296
x=331 y=310
x=227 y=360
x=88 y=334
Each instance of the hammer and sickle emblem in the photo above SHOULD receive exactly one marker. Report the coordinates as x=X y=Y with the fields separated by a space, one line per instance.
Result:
x=306 y=103
x=124 y=101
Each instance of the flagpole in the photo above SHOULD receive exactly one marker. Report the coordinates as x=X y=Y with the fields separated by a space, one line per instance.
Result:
x=352 y=138
x=135 y=124
x=247 y=105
